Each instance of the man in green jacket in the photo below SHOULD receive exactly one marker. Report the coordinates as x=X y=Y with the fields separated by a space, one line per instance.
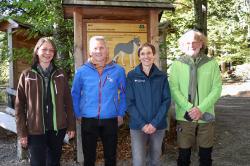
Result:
x=195 y=85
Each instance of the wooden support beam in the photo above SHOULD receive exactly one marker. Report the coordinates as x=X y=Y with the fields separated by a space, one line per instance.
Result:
x=78 y=54
x=10 y=50
x=154 y=33
x=78 y=46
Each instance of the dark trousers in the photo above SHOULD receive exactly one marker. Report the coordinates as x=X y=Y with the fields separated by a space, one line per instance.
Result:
x=106 y=129
x=46 y=149
x=205 y=155
x=184 y=157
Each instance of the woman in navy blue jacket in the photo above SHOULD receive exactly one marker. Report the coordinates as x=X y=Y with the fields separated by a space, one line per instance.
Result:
x=148 y=100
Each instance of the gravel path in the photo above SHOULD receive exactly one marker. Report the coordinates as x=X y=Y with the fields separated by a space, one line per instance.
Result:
x=232 y=134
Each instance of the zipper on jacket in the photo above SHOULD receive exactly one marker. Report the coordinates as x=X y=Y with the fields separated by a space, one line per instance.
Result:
x=53 y=100
x=99 y=86
x=100 y=97
x=105 y=80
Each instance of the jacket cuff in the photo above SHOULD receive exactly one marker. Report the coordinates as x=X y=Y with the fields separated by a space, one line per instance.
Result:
x=189 y=106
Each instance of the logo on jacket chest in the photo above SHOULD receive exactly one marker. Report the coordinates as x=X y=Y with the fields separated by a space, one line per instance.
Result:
x=139 y=80
x=109 y=79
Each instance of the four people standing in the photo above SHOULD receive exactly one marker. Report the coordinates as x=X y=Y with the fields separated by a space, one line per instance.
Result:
x=44 y=107
x=195 y=84
x=148 y=100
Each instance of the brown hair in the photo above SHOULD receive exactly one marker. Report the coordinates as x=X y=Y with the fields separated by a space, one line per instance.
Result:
x=146 y=45
x=39 y=43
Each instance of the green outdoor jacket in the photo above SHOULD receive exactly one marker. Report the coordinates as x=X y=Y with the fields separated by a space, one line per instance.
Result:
x=209 y=87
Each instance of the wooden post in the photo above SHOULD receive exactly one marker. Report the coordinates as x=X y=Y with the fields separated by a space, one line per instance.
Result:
x=78 y=55
x=10 y=50
x=154 y=33
x=78 y=46
x=21 y=153
x=163 y=50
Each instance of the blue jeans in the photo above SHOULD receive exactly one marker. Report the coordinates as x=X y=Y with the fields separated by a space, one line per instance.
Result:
x=146 y=149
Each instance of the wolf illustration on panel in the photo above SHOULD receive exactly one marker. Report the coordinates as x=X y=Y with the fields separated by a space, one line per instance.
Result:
x=122 y=49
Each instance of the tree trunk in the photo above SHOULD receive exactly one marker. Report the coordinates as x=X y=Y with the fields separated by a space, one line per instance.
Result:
x=200 y=10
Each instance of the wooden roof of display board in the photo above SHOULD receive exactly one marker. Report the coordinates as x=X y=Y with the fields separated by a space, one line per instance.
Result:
x=125 y=3
x=118 y=6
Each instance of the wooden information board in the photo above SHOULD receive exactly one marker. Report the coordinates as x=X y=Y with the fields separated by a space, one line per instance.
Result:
x=123 y=40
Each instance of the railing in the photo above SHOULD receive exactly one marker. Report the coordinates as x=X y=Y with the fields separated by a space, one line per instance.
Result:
x=7 y=117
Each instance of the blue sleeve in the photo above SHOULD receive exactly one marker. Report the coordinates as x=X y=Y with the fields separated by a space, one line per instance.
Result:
x=165 y=103
x=134 y=114
x=76 y=93
x=122 y=97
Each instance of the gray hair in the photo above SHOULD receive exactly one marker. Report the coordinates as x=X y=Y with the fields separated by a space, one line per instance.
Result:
x=97 y=38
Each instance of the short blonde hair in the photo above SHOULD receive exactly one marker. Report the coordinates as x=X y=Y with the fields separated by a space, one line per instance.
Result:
x=97 y=38
x=197 y=36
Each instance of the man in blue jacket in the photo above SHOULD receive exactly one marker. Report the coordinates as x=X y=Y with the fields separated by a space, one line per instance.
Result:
x=96 y=87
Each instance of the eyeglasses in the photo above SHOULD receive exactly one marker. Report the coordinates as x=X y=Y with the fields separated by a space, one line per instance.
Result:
x=146 y=53
x=193 y=43
x=48 y=50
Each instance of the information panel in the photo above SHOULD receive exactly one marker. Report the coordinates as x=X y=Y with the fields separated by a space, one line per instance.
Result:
x=123 y=40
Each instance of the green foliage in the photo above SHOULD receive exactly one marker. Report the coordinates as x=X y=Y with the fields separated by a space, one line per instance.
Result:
x=23 y=54
x=4 y=72
x=47 y=19
x=3 y=60
x=68 y=65
x=227 y=34
x=181 y=19
x=227 y=22
x=227 y=28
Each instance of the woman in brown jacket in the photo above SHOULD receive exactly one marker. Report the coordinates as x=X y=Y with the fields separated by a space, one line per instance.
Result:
x=44 y=107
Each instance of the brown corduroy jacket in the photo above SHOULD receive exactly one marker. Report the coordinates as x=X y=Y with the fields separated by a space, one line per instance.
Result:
x=29 y=103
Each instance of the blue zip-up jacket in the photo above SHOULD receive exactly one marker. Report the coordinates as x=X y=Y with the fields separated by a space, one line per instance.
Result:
x=148 y=98
x=95 y=95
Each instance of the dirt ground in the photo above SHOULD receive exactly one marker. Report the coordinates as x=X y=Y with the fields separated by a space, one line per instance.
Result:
x=232 y=136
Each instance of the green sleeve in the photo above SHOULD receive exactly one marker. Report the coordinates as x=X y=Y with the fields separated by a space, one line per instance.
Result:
x=215 y=92
x=175 y=84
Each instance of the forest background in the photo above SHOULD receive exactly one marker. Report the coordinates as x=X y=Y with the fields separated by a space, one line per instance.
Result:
x=228 y=29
